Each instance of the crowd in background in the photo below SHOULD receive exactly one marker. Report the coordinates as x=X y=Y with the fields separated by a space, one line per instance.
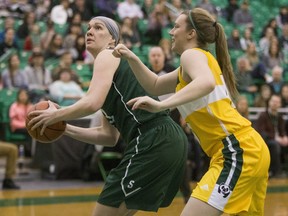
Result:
x=42 y=48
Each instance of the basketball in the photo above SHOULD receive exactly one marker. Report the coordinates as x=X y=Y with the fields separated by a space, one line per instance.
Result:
x=52 y=132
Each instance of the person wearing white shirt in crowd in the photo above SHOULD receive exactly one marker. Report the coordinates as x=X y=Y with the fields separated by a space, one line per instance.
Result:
x=129 y=8
x=60 y=13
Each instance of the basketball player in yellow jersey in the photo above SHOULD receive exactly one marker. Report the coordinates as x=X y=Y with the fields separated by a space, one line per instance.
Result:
x=237 y=178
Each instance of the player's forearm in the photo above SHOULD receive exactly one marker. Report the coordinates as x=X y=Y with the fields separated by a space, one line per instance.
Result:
x=90 y=135
x=146 y=77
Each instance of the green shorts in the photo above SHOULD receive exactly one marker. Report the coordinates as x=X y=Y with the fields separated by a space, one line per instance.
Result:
x=150 y=173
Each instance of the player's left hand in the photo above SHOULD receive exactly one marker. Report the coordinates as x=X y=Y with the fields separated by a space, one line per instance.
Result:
x=43 y=118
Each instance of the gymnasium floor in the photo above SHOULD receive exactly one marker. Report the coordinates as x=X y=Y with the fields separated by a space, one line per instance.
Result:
x=39 y=197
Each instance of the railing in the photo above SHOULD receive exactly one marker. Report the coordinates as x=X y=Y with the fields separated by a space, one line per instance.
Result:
x=254 y=112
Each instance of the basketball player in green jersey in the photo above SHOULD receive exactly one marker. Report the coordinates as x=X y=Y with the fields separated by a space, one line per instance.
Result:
x=149 y=175
x=236 y=180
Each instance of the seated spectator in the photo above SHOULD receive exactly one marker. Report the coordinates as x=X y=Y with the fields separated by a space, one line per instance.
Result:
x=8 y=23
x=233 y=41
x=207 y=5
x=84 y=8
x=242 y=106
x=264 y=42
x=283 y=39
x=106 y=8
x=284 y=95
x=38 y=77
x=13 y=76
x=230 y=9
x=17 y=114
x=69 y=41
x=274 y=57
x=156 y=22
x=245 y=83
x=129 y=8
x=242 y=16
x=10 y=151
x=46 y=36
x=33 y=39
x=65 y=91
x=265 y=92
x=55 y=47
x=277 y=79
x=246 y=39
x=130 y=35
x=282 y=17
x=174 y=9
x=9 y=42
x=271 y=126
x=25 y=28
x=66 y=61
x=270 y=24
x=147 y=8
x=61 y=13
x=80 y=48
x=259 y=70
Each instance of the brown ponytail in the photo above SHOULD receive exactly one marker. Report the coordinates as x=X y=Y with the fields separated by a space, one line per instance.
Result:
x=210 y=31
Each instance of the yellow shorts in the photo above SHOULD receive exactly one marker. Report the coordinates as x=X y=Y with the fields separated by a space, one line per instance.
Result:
x=237 y=178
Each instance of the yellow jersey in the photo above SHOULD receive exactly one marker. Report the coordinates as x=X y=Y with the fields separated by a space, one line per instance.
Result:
x=214 y=116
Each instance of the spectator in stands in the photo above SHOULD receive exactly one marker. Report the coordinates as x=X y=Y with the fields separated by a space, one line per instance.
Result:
x=25 y=28
x=230 y=9
x=10 y=151
x=84 y=8
x=246 y=38
x=47 y=35
x=130 y=35
x=234 y=40
x=13 y=76
x=274 y=57
x=17 y=114
x=270 y=24
x=8 y=23
x=277 y=79
x=242 y=106
x=80 y=49
x=282 y=17
x=170 y=56
x=38 y=76
x=69 y=41
x=242 y=16
x=66 y=61
x=259 y=71
x=65 y=91
x=265 y=92
x=33 y=39
x=156 y=22
x=147 y=8
x=174 y=9
x=284 y=95
x=283 y=39
x=264 y=42
x=55 y=47
x=106 y=8
x=271 y=125
x=245 y=83
x=9 y=42
x=207 y=5
x=41 y=9
x=61 y=13
x=129 y=8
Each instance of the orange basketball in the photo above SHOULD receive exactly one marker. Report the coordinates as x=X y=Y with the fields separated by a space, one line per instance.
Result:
x=52 y=132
